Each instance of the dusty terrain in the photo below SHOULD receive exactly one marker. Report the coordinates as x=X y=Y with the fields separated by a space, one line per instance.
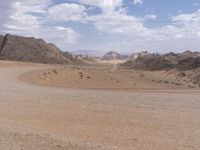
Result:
x=34 y=116
x=109 y=76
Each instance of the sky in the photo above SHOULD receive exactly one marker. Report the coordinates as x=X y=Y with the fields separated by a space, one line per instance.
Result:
x=125 y=26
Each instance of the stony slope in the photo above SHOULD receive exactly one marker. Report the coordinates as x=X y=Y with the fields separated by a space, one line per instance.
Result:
x=30 y=49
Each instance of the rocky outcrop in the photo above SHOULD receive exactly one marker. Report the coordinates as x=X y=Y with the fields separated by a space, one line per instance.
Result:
x=30 y=49
x=113 y=56
x=189 y=64
x=149 y=61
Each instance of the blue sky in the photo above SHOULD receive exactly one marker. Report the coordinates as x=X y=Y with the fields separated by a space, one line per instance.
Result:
x=126 y=26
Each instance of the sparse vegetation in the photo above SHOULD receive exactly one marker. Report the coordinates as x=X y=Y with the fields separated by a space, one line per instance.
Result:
x=181 y=74
x=54 y=71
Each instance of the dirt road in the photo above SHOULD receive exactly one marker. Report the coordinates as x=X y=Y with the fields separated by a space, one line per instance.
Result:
x=50 y=118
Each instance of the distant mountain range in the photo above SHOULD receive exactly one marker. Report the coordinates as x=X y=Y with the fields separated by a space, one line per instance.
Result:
x=90 y=53
x=30 y=49
x=152 y=61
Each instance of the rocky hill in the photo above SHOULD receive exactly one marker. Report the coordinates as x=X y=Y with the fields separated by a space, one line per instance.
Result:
x=86 y=59
x=31 y=50
x=188 y=64
x=113 y=56
x=149 y=61
x=79 y=59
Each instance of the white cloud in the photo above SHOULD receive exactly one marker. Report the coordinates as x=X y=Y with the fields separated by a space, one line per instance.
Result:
x=188 y=18
x=31 y=6
x=67 y=12
x=188 y=24
x=137 y=2
x=131 y=31
x=183 y=33
x=21 y=19
x=68 y=34
x=17 y=18
x=105 y=5
x=115 y=22
x=113 y=18
x=150 y=17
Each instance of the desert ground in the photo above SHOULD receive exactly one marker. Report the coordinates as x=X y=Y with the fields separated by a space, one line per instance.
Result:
x=51 y=107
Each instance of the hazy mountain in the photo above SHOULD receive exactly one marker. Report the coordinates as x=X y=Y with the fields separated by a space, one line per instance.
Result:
x=90 y=53
x=30 y=49
x=79 y=59
x=86 y=59
x=112 y=55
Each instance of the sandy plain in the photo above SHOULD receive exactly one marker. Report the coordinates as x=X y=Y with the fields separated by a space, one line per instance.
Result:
x=53 y=115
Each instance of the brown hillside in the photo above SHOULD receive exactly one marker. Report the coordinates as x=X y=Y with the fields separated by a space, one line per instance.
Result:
x=30 y=49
